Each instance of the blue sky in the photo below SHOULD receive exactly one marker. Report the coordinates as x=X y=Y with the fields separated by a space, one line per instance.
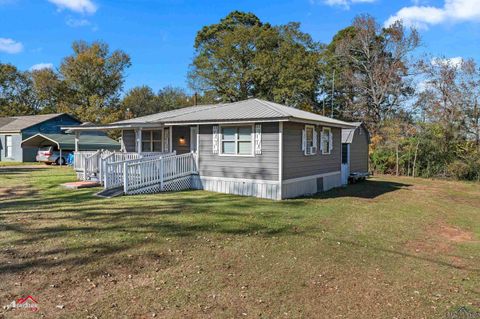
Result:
x=159 y=35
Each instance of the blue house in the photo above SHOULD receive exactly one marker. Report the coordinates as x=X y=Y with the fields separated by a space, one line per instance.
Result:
x=15 y=129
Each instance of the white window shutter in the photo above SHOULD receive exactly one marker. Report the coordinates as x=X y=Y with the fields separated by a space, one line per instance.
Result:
x=258 y=138
x=321 y=140
x=315 y=140
x=215 y=139
x=330 y=141
x=304 y=141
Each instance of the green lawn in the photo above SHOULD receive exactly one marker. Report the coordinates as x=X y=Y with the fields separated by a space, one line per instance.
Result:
x=386 y=248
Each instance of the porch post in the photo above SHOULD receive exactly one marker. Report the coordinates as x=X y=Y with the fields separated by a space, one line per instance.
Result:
x=138 y=139
x=77 y=140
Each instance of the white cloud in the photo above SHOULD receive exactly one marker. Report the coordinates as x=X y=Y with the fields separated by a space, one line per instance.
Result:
x=453 y=62
x=10 y=46
x=76 y=23
x=80 y=6
x=342 y=3
x=41 y=66
x=453 y=11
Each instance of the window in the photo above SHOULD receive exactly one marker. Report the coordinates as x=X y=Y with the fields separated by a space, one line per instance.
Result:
x=236 y=140
x=310 y=140
x=326 y=140
x=152 y=141
x=8 y=146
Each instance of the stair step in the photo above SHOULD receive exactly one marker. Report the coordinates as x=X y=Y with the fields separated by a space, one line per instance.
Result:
x=112 y=192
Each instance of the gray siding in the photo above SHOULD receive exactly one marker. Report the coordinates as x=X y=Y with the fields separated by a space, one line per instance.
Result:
x=296 y=164
x=128 y=137
x=178 y=132
x=17 y=151
x=260 y=167
x=359 y=151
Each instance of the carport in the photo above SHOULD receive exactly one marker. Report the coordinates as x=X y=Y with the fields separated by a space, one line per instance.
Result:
x=67 y=142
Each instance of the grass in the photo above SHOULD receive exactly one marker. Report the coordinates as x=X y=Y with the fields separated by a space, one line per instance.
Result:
x=386 y=248
x=3 y=164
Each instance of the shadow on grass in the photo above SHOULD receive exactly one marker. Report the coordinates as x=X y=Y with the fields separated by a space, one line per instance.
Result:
x=368 y=189
x=121 y=224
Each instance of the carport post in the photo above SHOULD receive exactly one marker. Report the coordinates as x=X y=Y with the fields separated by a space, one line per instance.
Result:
x=60 y=159
x=77 y=139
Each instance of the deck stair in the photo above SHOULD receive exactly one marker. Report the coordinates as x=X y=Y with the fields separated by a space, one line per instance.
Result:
x=132 y=173
x=112 y=192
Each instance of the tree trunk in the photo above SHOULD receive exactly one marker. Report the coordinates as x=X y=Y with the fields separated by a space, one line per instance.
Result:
x=396 y=166
x=415 y=159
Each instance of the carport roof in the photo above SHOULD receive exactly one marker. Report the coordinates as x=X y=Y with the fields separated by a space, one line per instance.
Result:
x=67 y=141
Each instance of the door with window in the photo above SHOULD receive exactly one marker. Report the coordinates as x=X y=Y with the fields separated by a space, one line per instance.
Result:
x=345 y=163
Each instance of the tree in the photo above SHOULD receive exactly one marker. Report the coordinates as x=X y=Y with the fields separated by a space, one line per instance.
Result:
x=241 y=57
x=470 y=91
x=93 y=80
x=139 y=101
x=372 y=65
x=49 y=90
x=170 y=98
x=16 y=92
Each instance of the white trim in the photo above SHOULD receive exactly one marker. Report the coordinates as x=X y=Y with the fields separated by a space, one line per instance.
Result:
x=170 y=139
x=299 y=179
x=243 y=180
x=330 y=140
x=39 y=134
x=280 y=157
x=219 y=122
x=198 y=148
x=192 y=129
x=220 y=141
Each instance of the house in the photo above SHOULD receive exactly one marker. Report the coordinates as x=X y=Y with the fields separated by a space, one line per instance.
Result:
x=15 y=129
x=252 y=147
x=355 y=143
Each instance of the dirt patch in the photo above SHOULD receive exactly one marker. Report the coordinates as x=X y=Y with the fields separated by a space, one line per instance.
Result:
x=455 y=234
x=15 y=192
x=439 y=239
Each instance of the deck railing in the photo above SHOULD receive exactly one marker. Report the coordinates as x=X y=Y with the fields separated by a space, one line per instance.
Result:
x=156 y=171
x=79 y=160
x=113 y=167
x=91 y=164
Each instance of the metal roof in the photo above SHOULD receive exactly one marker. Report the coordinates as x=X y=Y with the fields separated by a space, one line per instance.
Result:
x=247 y=110
x=67 y=141
x=348 y=133
x=19 y=123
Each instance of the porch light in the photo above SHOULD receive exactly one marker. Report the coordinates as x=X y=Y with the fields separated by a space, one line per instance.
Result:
x=182 y=140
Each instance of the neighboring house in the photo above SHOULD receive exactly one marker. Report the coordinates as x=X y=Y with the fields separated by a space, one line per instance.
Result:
x=15 y=129
x=355 y=143
x=251 y=147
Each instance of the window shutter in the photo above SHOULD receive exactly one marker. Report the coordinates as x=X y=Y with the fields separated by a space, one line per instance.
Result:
x=315 y=140
x=321 y=140
x=330 y=141
x=304 y=141
x=258 y=139
x=215 y=139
